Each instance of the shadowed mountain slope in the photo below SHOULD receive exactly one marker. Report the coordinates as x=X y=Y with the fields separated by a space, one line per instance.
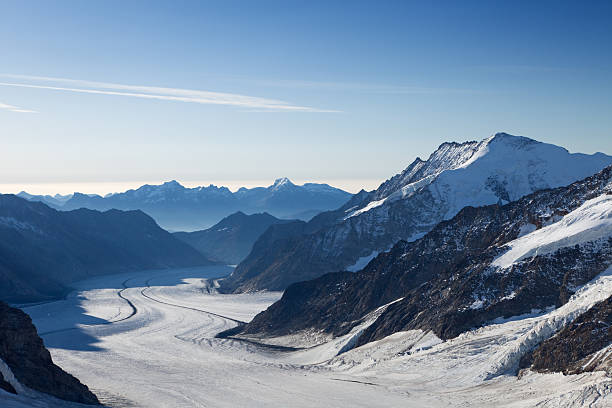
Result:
x=43 y=250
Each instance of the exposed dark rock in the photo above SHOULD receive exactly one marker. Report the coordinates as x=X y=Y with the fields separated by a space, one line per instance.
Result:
x=23 y=351
x=579 y=347
x=445 y=278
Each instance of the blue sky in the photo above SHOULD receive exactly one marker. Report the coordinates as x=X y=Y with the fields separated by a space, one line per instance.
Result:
x=346 y=92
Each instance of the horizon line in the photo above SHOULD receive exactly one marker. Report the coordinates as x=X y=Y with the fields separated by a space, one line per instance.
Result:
x=102 y=188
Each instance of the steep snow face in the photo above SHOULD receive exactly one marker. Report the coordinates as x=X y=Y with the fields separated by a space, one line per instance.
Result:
x=362 y=262
x=500 y=169
x=505 y=168
x=419 y=173
x=402 y=193
x=589 y=222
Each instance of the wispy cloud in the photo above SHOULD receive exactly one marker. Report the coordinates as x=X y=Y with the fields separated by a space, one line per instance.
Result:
x=362 y=87
x=154 y=92
x=12 y=108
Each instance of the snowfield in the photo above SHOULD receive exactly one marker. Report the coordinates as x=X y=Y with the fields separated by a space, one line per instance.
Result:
x=589 y=222
x=155 y=346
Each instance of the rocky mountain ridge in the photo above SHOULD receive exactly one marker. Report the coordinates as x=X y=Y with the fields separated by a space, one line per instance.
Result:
x=499 y=169
x=485 y=263
x=583 y=345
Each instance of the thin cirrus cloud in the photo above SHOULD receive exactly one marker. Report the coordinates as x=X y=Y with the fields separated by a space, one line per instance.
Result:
x=17 y=109
x=362 y=87
x=157 y=93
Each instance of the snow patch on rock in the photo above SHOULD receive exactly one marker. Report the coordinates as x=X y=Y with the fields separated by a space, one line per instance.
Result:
x=362 y=262
x=589 y=222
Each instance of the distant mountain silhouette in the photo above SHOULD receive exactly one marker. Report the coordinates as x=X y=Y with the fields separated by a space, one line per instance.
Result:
x=178 y=208
x=230 y=240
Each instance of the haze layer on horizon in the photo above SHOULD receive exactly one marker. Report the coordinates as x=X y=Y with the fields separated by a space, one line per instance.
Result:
x=103 y=188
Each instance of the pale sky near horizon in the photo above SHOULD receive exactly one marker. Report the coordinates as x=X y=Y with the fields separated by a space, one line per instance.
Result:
x=103 y=188
x=105 y=96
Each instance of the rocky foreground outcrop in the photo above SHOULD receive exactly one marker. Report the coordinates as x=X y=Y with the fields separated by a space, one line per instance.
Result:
x=22 y=350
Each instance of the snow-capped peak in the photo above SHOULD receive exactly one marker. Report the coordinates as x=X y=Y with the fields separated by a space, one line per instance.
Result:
x=500 y=168
x=282 y=183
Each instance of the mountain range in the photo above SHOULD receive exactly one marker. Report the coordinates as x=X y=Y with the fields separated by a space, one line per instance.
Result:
x=479 y=236
x=177 y=208
x=43 y=250
x=496 y=170
x=484 y=265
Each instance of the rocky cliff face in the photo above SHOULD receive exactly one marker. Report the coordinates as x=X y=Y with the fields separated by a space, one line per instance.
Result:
x=584 y=345
x=499 y=169
x=30 y=362
x=466 y=271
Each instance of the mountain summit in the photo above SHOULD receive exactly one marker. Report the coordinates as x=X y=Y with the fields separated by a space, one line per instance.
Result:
x=282 y=182
x=496 y=170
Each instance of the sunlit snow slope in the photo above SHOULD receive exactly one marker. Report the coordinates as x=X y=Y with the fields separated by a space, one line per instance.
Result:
x=589 y=222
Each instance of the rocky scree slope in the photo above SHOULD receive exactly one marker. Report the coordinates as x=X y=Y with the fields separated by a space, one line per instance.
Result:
x=458 y=276
x=499 y=169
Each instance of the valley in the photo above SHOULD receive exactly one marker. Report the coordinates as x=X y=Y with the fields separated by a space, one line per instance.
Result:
x=147 y=338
